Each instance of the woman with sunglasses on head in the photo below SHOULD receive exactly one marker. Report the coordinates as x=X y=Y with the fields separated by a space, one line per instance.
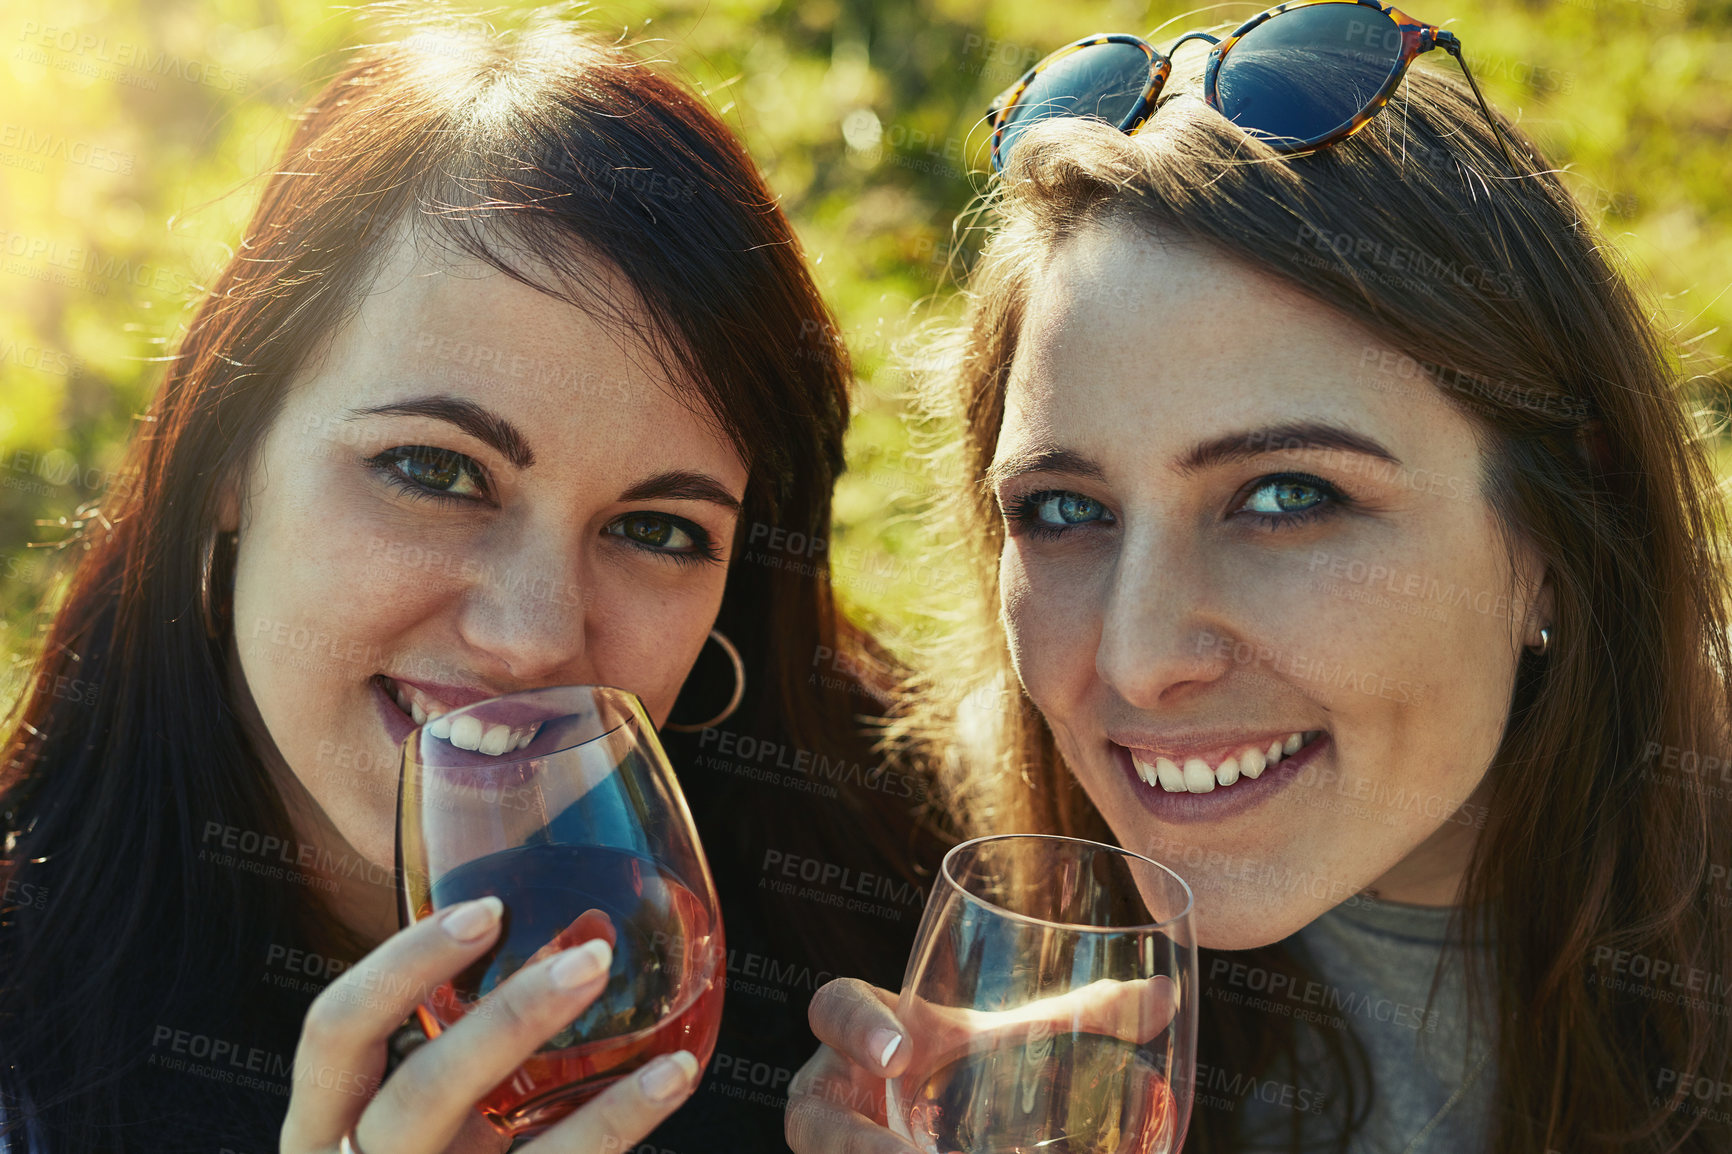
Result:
x=1339 y=515
x=509 y=367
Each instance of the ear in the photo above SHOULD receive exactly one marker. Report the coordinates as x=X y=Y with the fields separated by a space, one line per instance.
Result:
x=1542 y=612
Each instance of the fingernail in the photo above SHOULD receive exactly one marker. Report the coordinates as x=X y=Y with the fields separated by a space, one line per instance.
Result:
x=472 y=920
x=883 y=1043
x=581 y=965
x=667 y=1076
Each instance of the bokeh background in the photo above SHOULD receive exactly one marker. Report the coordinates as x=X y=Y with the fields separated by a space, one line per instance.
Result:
x=133 y=136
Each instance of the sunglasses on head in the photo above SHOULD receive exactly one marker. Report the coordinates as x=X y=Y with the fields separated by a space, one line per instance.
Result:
x=1302 y=76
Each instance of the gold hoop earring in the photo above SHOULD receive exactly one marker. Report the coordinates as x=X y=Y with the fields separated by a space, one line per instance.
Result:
x=721 y=639
x=206 y=570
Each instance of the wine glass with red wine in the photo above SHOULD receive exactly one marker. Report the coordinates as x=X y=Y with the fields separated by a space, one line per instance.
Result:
x=561 y=803
x=1049 y=1003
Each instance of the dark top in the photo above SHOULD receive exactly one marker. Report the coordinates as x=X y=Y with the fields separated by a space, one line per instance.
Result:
x=797 y=843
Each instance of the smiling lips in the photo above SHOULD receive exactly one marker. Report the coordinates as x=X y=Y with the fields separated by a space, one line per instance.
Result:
x=1196 y=775
x=466 y=732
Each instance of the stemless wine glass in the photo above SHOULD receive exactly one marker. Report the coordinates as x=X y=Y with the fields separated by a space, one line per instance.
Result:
x=1049 y=1003
x=561 y=803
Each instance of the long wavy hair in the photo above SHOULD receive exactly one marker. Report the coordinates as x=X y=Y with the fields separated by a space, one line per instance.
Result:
x=1606 y=839
x=120 y=949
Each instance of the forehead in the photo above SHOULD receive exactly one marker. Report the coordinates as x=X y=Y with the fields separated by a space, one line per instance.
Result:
x=436 y=322
x=1175 y=341
x=449 y=315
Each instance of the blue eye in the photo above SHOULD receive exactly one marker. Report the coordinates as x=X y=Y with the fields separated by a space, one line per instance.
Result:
x=426 y=471
x=1290 y=498
x=1055 y=511
x=672 y=537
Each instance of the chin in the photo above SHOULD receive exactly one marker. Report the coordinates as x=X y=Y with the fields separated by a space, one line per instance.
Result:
x=1241 y=931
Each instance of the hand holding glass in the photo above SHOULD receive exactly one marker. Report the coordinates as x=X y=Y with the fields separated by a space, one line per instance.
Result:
x=1049 y=1001
x=562 y=804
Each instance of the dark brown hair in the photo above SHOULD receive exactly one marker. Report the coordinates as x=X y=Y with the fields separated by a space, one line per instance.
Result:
x=1594 y=848
x=547 y=141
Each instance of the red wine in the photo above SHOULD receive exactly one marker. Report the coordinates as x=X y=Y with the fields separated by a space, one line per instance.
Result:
x=1038 y=1091
x=664 y=991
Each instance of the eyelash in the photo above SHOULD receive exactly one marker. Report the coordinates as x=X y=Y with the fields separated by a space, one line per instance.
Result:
x=703 y=551
x=386 y=465
x=1021 y=514
x=1021 y=510
x=1332 y=502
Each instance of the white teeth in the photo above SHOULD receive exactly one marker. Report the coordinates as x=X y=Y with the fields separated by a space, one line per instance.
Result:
x=425 y=710
x=466 y=733
x=1195 y=776
x=1198 y=778
x=440 y=726
x=495 y=741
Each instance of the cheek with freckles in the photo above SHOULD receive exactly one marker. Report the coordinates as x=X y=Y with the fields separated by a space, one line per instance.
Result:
x=1052 y=623
x=650 y=647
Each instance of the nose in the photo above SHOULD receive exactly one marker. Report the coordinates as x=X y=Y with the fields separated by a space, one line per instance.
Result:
x=1162 y=636
x=523 y=607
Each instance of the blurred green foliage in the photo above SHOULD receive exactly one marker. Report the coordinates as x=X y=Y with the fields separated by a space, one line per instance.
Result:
x=132 y=138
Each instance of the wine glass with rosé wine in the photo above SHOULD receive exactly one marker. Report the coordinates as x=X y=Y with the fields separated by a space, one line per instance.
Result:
x=561 y=803
x=1050 y=1003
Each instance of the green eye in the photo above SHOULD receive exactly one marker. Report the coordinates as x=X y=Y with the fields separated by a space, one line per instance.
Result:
x=1057 y=509
x=425 y=471
x=656 y=532
x=1284 y=495
x=665 y=536
x=1290 y=500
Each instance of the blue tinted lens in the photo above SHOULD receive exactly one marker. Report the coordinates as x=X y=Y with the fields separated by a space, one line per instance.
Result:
x=1301 y=75
x=1103 y=81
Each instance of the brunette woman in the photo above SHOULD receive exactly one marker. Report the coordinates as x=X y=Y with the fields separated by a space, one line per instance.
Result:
x=513 y=363
x=1339 y=514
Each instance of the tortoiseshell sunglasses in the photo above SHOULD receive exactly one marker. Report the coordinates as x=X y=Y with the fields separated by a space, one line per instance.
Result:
x=1303 y=76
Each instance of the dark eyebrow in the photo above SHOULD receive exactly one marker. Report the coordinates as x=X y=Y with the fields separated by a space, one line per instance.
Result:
x=1043 y=460
x=1225 y=449
x=481 y=423
x=1293 y=436
x=683 y=485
